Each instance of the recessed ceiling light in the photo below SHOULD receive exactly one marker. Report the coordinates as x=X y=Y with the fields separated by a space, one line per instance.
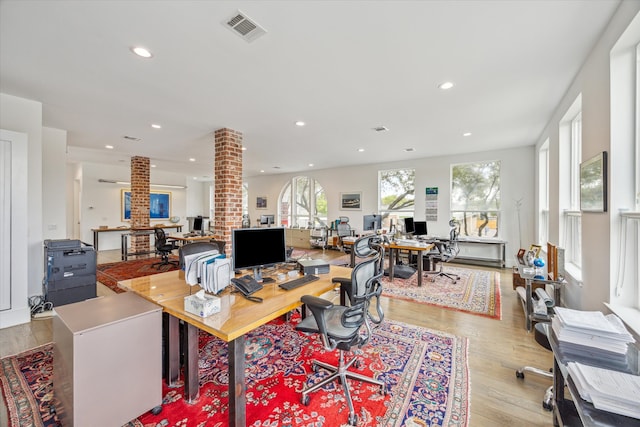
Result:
x=466 y=134
x=153 y=166
x=261 y=170
x=195 y=178
x=244 y=148
x=310 y=165
x=300 y=123
x=155 y=126
x=360 y=150
x=142 y=52
x=192 y=159
x=110 y=147
x=445 y=85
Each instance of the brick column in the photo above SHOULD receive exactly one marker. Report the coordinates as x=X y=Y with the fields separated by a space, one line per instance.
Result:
x=140 y=187
x=227 y=175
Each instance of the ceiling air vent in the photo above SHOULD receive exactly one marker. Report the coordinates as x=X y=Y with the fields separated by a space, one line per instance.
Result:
x=131 y=138
x=244 y=27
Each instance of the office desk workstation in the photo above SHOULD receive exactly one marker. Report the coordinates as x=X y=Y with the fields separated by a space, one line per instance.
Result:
x=96 y=231
x=237 y=317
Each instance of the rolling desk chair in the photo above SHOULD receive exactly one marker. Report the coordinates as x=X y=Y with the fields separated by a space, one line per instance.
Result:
x=447 y=251
x=163 y=248
x=344 y=230
x=343 y=328
x=541 y=331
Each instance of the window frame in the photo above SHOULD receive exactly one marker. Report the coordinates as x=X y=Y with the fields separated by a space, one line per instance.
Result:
x=290 y=217
x=389 y=215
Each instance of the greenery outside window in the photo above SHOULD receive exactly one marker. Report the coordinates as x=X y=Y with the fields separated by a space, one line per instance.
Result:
x=396 y=195
x=475 y=198
x=302 y=203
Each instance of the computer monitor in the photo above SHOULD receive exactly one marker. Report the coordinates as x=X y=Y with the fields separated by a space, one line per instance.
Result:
x=408 y=226
x=372 y=222
x=256 y=248
x=420 y=228
x=198 y=224
x=267 y=219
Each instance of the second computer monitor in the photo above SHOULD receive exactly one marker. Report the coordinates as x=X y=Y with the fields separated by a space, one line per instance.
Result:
x=420 y=228
x=267 y=219
x=372 y=222
x=408 y=225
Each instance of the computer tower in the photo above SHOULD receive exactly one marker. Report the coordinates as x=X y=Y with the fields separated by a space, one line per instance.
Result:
x=70 y=271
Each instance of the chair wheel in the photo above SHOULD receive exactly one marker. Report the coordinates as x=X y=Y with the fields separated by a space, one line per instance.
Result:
x=357 y=364
x=454 y=282
x=547 y=406
x=156 y=410
x=314 y=367
x=520 y=374
x=353 y=419
x=305 y=399
x=384 y=390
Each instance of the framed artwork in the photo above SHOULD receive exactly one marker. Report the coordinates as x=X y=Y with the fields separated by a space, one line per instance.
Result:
x=159 y=205
x=351 y=200
x=521 y=254
x=261 y=202
x=593 y=184
x=536 y=250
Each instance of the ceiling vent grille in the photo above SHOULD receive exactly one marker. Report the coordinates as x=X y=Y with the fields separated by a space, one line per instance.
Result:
x=244 y=27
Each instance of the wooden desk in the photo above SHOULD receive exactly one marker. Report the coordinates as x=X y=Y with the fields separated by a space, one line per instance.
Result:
x=97 y=231
x=419 y=247
x=237 y=317
x=188 y=239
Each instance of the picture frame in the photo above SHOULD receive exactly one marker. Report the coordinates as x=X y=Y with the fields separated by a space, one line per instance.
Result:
x=521 y=254
x=351 y=200
x=536 y=250
x=593 y=184
x=261 y=202
x=159 y=205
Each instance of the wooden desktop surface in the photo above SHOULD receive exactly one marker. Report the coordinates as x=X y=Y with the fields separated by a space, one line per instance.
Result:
x=184 y=239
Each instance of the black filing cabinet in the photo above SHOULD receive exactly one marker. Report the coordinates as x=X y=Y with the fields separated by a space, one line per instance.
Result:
x=70 y=271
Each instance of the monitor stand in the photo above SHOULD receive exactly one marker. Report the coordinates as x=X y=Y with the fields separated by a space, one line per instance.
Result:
x=257 y=275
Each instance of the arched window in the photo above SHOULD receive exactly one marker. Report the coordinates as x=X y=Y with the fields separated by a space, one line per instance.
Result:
x=302 y=203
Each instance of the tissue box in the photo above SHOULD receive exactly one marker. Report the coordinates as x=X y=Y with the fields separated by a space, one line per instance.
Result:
x=202 y=307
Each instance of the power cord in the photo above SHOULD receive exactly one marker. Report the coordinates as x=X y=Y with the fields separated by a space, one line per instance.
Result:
x=38 y=305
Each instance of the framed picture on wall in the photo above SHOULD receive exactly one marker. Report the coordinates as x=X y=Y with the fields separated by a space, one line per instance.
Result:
x=159 y=205
x=261 y=202
x=351 y=200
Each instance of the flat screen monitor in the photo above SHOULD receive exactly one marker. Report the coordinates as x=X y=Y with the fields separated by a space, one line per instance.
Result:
x=408 y=226
x=256 y=248
x=198 y=223
x=420 y=228
x=267 y=219
x=372 y=222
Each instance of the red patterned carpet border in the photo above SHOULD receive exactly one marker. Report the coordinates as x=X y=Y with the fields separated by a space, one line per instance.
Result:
x=110 y=274
x=426 y=370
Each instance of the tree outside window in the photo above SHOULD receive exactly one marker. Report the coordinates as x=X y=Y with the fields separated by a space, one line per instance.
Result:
x=396 y=197
x=475 y=198
x=303 y=203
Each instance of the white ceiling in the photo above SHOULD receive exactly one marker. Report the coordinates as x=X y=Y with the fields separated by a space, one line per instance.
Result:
x=343 y=67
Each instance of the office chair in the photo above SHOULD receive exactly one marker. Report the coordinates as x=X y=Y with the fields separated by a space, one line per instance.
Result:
x=163 y=248
x=541 y=331
x=220 y=244
x=447 y=251
x=343 y=229
x=343 y=328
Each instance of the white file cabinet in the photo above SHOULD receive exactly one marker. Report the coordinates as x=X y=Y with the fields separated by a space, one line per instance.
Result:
x=107 y=366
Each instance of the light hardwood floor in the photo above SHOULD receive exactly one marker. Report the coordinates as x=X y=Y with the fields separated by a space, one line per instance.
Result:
x=496 y=349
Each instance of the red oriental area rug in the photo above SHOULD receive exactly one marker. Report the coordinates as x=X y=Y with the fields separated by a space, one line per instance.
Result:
x=477 y=291
x=110 y=274
x=426 y=371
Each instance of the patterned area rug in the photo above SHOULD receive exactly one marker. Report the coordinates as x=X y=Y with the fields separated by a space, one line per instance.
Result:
x=426 y=371
x=110 y=274
x=477 y=291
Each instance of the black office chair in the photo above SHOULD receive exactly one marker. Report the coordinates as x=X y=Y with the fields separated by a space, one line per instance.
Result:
x=447 y=251
x=164 y=248
x=344 y=327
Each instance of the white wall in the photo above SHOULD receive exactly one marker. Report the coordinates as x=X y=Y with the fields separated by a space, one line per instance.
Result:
x=54 y=185
x=594 y=83
x=25 y=116
x=516 y=184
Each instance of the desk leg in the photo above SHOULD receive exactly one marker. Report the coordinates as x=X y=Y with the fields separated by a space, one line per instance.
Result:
x=353 y=257
x=391 y=262
x=528 y=304
x=558 y=391
x=171 y=326
x=123 y=247
x=420 y=254
x=237 y=385
x=95 y=240
x=191 y=380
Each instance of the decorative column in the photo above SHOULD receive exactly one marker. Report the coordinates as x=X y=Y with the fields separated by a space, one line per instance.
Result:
x=140 y=187
x=227 y=175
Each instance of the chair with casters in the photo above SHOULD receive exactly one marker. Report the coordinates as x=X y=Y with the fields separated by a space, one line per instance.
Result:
x=164 y=248
x=220 y=244
x=194 y=248
x=447 y=250
x=343 y=230
x=343 y=328
x=541 y=331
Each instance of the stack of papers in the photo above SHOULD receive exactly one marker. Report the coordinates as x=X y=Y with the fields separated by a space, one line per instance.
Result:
x=608 y=390
x=211 y=270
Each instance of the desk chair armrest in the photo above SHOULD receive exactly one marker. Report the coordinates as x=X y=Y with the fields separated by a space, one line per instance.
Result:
x=317 y=303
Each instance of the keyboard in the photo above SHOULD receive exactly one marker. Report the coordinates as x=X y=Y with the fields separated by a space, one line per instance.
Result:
x=300 y=281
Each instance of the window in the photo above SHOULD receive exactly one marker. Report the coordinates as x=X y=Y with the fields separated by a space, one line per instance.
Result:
x=475 y=197
x=303 y=203
x=396 y=194
x=543 y=194
x=572 y=216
